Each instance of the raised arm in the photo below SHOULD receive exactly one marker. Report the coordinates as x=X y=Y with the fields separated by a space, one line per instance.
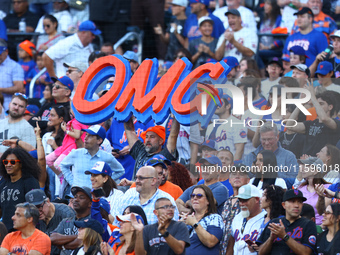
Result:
x=172 y=139
x=49 y=64
x=130 y=132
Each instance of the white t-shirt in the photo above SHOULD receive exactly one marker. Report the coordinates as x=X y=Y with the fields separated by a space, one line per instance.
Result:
x=47 y=148
x=227 y=135
x=247 y=37
x=333 y=87
x=68 y=50
x=278 y=182
x=22 y=129
x=247 y=16
x=251 y=229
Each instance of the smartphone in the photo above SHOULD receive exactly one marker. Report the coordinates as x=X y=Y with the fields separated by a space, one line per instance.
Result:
x=98 y=192
x=249 y=242
x=116 y=150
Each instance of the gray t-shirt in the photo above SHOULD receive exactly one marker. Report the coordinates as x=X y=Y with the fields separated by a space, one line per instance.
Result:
x=155 y=244
x=193 y=48
x=22 y=129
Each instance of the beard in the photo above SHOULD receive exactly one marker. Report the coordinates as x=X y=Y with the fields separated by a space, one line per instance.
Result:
x=15 y=115
x=151 y=149
x=245 y=214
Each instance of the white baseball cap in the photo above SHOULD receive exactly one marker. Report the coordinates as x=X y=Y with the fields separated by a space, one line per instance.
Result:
x=248 y=191
x=183 y=3
x=336 y=34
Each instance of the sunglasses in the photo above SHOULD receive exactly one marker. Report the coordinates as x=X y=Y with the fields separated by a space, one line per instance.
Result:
x=41 y=206
x=47 y=26
x=12 y=161
x=167 y=207
x=58 y=87
x=198 y=196
x=143 y=177
x=20 y=94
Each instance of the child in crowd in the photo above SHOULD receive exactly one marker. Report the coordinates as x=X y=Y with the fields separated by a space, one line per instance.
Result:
x=26 y=55
x=42 y=81
x=297 y=55
x=204 y=47
x=286 y=64
x=274 y=70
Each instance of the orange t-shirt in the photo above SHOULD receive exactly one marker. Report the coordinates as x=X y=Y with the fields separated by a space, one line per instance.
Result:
x=172 y=189
x=116 y=250
x=39 y=241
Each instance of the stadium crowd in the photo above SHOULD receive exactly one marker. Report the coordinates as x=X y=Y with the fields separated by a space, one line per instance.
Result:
x=269 y=184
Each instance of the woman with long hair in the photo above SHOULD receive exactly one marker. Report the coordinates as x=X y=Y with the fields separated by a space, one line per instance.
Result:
x=20 y=173
x=266 y=166
x=328 y=241
x=330 y=156
x=90 y=232
x=52 y=36
x=101 y=178
x=204 y=217
x=311 y=180
x=127 y=233
x=271 y=201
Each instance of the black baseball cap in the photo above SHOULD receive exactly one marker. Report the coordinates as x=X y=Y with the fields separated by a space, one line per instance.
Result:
x=233 y=12
x=304 y=10
x=293 y=193
x=276 y=60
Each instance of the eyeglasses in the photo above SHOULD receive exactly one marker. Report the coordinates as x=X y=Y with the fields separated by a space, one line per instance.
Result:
x=47 y=26
x=20 y=94
x=41 y=206
x=143 y=177
x=167 y=207
x=198 y=196
x=267 y=139
x=12 y=161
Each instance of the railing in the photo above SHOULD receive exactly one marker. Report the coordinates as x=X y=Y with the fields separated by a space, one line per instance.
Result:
x=129 y=36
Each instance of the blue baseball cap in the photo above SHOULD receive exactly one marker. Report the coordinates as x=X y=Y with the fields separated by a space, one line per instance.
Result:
x=96 y=130
x=211 y=60
x=231 y=61
x=160 y=156
x=100 y=167
x=90 y=223
x=229 y=99
x=324 y=68
x=205 y=2
x=130 y=55
x=167 y=64
x=156 y=161
x=212 y=160
x=285 y=57
x=298 y=50
x=2 y=49
x=209 y=143
x=31 y=109
x=88 y=25
x=103 y=203
x=66 y=81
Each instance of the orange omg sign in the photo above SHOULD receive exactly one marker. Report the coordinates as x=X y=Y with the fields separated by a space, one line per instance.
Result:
x=142 y=94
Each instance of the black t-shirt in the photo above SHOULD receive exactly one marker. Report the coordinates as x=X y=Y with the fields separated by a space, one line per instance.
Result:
x=154 y=244
x=302 y=230
x=328 y=248
x=13 y=193
x=292 y=142
x=318 y=135
x=174 y=44
x=140 y=155
x=12 y=20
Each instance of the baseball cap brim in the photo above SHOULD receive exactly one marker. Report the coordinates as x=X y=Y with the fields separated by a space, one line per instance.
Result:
x=92 y=172
x=89 y=131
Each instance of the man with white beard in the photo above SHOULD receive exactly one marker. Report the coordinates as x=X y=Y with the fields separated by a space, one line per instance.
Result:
x=246 y=227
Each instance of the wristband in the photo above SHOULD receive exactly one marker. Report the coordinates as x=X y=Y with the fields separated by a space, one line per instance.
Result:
x=17 y=142
x=195 y=225
x=285 y=238
x=166 y=234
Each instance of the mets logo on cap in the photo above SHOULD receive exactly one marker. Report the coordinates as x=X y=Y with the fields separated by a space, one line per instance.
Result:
x=296 y=192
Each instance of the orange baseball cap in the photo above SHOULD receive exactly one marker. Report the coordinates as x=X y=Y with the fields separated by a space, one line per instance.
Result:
x=28 y=47
x=159 y=130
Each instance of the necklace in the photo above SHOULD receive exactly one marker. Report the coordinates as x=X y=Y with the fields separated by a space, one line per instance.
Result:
x=286 y=141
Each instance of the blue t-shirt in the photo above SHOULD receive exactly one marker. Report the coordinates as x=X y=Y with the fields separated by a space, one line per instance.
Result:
x=191 y=28
x=313 y=43
x=225 y=183
x=3 y=30
x=117 y=137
